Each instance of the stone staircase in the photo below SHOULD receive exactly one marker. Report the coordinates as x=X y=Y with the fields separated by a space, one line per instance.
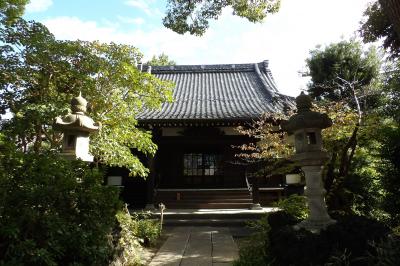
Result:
x=204 y=198
x=210 y=217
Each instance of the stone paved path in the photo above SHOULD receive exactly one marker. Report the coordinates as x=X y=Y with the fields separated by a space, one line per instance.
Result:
x=192 y=246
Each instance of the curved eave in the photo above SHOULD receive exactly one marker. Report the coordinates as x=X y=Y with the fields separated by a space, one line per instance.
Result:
x=195 y=122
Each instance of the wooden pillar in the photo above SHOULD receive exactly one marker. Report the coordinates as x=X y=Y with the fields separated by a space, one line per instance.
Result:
x=256 y=194
x=151 y=164
x=150 y=183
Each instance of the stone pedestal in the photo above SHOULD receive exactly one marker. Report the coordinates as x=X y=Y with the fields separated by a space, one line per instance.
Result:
x=319 y=217
x=150 y=207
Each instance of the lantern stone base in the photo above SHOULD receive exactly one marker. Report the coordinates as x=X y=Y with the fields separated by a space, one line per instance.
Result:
x=74 y=156
x=150 y=207
x=319 y=217
x=315 y=226
x=255 y=206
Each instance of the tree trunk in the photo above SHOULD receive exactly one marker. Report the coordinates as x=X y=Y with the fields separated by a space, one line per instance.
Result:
x=345 y=159
x=38 y=138
x=330 y=173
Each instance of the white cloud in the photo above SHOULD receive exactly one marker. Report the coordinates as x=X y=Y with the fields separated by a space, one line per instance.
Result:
x=141 y=4
x=38 y=5
x=150 y=42
x=128 y=20
x=72 y=28
x=285 y=38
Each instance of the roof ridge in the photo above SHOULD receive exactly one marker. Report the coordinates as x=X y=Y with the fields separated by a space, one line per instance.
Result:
x=266 y=86
x=205 y=68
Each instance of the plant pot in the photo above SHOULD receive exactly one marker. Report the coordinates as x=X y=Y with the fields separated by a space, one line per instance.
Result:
x=293 y=179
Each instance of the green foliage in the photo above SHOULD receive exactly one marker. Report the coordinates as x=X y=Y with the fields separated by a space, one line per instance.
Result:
x=253 y=252
x=346 y=81
x=146 y=228
x=294 y=205
x=269 y=142
x=391 y=89
x=390 y=169
x=257 y=251
x=193 y=16
x=268 y=149
x=351 y=241
x=135 y=230
x=348 y=238
x=11 y=10
x=331 y=67
x=161 y=60
x=54 y=211
x=386 y=252
x=377 y=26
x=41 y=74
x=128 y=246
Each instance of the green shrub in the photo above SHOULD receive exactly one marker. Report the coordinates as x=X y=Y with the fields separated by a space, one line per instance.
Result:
x=348 y=242
x=294 y=205
x=253 y=251
x=350 y=236
x=386 y=252
x=147 y=229
x=128 y=245
x=54 y=212
x=135 y=231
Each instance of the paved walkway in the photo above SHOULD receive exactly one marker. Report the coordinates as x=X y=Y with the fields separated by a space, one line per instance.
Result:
x=192 y=246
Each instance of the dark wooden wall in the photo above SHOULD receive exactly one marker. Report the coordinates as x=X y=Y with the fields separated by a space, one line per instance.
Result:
x=169 y=159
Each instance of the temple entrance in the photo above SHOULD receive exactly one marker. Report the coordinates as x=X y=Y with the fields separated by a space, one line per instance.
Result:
x=202 y=169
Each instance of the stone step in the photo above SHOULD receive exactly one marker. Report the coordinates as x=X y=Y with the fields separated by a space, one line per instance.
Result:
x=208 y=205
x=197 y=200
x=211 y=217
x=207 y=222
x=204 y=198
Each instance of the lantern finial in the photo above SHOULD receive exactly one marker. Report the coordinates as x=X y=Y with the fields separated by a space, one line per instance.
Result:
x=78 y=104
x=303 y=102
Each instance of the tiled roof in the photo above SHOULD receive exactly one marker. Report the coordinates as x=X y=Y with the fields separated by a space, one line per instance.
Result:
x=217 y=92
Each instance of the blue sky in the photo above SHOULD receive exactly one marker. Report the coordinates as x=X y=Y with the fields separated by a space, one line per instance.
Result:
x=284 y=39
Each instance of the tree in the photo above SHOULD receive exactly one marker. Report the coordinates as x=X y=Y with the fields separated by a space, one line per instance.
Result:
x=161 y=60
x=10 y=10
x=193 y=16
x=344 y=77
x=389 y=136
x=391 y=9
x=54 y=211
x=39 y=76
x=377 y=25
x=182 y=16
x=269 y=141
x=268 y=148
x=332 y=66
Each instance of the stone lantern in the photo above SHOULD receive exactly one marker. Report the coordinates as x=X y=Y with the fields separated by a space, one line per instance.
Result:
x=306 y=126
x=76 y=127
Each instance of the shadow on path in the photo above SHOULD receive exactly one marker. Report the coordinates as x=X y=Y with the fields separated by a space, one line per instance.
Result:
x=197 y=246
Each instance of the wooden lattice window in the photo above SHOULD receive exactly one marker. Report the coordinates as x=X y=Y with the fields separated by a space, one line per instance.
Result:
x=200 y=164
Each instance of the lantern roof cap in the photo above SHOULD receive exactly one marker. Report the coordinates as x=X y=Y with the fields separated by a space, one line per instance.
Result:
x=77 y=120
x=305 y=117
